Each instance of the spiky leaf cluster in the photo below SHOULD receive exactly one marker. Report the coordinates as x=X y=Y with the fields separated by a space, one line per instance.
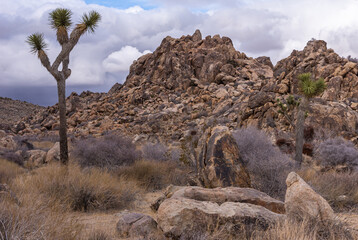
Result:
x=309 y=87
x=90 y=21
x=37 y=42
x=287 y=104
x=60 y=17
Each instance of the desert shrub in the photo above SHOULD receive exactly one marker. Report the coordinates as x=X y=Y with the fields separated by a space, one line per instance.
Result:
x=77 y=189
x=156 y=152
x=339 y=189
x=106 y=152
x=154 y=175
x=309 y=229
x=337 y=151
x=99 y=235
x=267 y=166
x=9 y=170
x=35 y=222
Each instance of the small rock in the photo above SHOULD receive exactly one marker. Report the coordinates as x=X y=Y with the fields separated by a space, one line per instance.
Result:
x=8 y=143
x=36 y=158
x=138 y=226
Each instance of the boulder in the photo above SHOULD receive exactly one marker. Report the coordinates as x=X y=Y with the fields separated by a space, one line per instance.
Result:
x=138 y=226
x=2 y=133
x=301 y=201
x=219 y=163
x=53 y=154
x=231 y=194
x=8 y=143
x=180 y=217
x=35 y=158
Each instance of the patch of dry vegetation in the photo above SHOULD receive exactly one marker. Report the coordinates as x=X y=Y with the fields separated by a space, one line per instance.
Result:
x=306 y=230
x=9 y=170
x=339 y=189
x=154 y=175
x=77 y=189
x=37 y=220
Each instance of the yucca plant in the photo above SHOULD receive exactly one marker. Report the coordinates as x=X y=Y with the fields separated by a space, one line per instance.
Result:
x=308 y=88
x=60 y=20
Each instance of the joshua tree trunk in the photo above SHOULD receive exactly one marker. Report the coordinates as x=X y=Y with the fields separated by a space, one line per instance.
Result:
x=60 y=19
x=300 y=124
x=61 y=89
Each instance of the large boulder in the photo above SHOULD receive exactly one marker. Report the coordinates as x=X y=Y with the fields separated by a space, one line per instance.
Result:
x=138 y=226
x=219 y=163
x=230 y=194
x=180 y=218
x=302 y=201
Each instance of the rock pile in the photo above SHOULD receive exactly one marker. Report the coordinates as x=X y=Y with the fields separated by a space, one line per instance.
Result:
x=191 y=83
x=195 y=212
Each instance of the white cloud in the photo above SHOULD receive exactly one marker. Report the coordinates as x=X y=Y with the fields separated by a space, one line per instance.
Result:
x=261 y=27
x=121 y=60
x=135 y=10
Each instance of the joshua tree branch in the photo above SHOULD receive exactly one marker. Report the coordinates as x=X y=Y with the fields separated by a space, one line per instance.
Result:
x=67 y=47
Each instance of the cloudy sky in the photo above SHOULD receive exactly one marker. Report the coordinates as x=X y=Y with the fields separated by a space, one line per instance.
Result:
x=130 y=28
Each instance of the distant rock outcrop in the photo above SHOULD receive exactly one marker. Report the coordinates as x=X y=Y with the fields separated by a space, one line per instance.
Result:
x=192 y=83
x=12 y=111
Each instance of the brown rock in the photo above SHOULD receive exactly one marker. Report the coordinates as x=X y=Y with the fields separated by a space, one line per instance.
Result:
x=138 y=226
x=231 y=194
x=220 y=164
x=8 y=143
x=2 y=134
x=54 y=153
x=181 y=217
x=302 y=202
x=36 y=158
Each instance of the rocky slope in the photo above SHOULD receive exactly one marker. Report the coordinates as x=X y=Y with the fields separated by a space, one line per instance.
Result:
x=14 y=110
x=190 y=83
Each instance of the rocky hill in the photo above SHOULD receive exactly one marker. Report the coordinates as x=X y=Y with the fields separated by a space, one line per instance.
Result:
x=12 y=111
x=190 y=83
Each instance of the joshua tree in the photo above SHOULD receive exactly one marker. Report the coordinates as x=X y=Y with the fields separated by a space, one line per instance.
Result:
x=60 y=20
x=308 y=88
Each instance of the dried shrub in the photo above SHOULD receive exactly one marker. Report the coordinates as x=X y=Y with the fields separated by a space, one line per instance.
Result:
x=106 y=152
x=156 y=152
x=99 y=235
x=337 y=151
x=309 y=229
x=339 y=189
x=9 y=170
x=77 y=189
x=154 y=175
x=36 y=221
x=267 y=165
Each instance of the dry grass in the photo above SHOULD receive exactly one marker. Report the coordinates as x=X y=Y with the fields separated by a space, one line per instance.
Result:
x=99 y=235
x=76 y=189
x=339 y=189
x=154 y=175
x=36 y=221
x=306 y=230
x=9 y=170
x=285 y=230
